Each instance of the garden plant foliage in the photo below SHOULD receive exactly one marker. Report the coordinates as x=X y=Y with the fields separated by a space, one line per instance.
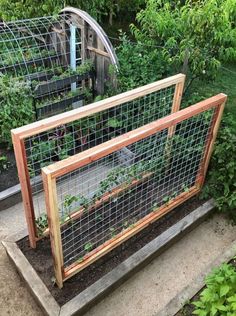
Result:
x=219 y=296
x=16 y=104
x=200 y=34
x=221 y=181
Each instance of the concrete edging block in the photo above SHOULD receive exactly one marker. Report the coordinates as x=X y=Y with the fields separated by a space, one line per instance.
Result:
x=90 y=296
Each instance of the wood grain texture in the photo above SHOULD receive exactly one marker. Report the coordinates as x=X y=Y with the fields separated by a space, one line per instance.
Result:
x=210 y=142
x=54 y=226
x=26 y=192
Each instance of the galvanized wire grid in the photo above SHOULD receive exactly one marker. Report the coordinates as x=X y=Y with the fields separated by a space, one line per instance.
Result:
x=39 y=51
x=69 y=139
x=102 y=200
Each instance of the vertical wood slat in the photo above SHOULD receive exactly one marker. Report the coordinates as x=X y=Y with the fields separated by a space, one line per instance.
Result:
x=179 y=88
x=24 y=178
x=210 y=142
x=50 y=190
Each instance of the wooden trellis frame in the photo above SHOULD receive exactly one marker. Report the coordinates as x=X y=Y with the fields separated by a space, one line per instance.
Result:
x=19 y=135
x=61 y=168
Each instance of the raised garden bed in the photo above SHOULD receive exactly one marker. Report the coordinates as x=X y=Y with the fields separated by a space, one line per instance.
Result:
x=99 y=279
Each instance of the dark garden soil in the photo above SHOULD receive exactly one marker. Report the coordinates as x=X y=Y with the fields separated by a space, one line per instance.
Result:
x=188 y=309
x=41 y=258
x=8 y=177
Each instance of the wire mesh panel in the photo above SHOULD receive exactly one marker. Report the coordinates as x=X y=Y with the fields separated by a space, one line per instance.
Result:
x=105 y=195
x=62 y=136
x=38 y=51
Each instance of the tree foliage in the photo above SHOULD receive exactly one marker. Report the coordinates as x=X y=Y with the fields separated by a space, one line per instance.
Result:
x=20 y=9
x=200 y=33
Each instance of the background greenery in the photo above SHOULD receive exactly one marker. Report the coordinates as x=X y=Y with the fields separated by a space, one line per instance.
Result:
x=197 y=37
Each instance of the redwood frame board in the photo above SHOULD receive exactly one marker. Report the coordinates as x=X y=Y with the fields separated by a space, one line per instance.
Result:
x=20 y=134
x=61 y=168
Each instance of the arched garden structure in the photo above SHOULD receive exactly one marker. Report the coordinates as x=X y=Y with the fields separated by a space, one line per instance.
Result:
x=62 y=58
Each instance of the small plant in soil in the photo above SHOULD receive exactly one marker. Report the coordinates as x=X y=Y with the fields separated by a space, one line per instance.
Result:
x=166 y=199
x=41 y=224
x=4 y=163
x=68 y=201
x=98 y=217
x=113 y=232
x=88 y=247
x=154 y=207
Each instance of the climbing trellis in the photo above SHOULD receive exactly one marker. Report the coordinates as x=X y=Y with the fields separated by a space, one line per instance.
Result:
x=40 y=144
x=101 y=197
x=63 y=58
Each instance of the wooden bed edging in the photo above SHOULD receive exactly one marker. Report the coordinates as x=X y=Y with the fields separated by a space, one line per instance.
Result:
x=96 y=292
x=37 y=288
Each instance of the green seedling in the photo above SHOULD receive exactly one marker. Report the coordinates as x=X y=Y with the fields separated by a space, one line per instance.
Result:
x=166 y=199
x=80 y=260
x=88 y=247
x=113 y=231
x=41 y=224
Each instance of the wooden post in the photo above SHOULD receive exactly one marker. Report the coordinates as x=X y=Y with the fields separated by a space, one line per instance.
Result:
x=49 y=185
x=100 y=67
x=210 y=142
x=179 y=88
x=24 y=178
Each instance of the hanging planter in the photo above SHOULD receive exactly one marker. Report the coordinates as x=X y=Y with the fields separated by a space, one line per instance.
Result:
x=55 y=85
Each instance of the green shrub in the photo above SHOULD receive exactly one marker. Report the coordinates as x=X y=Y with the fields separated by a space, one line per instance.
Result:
x=140 y=64
x=16 y=106
x=221 y=179
x=200 y=34
x=219 y=296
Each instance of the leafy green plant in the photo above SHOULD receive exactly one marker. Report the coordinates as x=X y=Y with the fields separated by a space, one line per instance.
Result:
x=221 y=178
x=4 y=163
x=219 y=296
x=68 y=201
x=41 y=224
x=16 y=106
x=113 y=232
x=194 y=35
x=138 y=65
x=88 y=247
x=99 y=9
